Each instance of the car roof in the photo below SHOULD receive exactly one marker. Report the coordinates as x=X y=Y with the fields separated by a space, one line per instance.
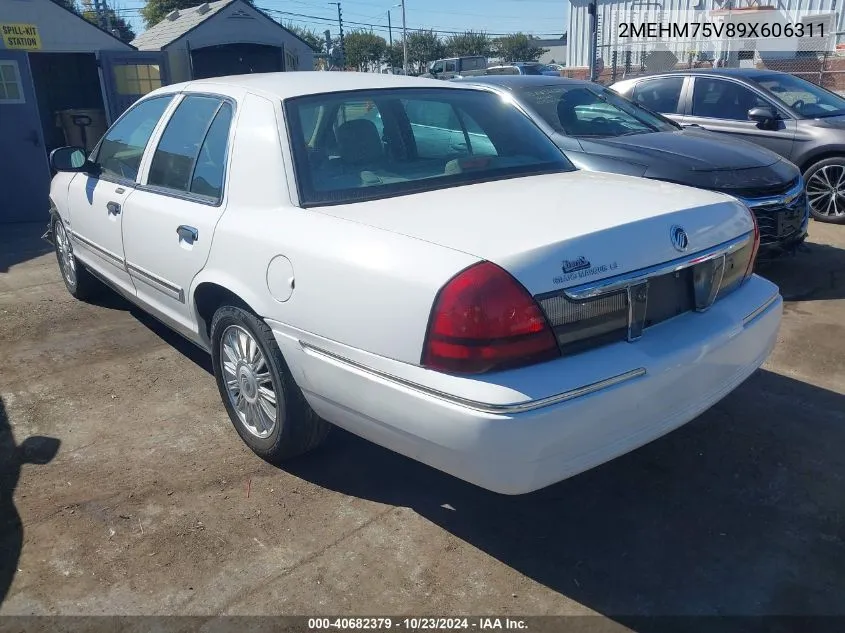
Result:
x=514 y=82
x=723 y=72
x=287 y=85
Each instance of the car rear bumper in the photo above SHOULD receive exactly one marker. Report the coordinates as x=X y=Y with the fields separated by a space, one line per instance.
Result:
x=676 y=371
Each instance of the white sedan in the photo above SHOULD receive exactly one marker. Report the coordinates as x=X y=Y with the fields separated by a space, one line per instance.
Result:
x=414 y=261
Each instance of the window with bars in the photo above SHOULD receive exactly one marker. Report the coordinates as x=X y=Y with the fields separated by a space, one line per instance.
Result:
x=11 y=90
x=291 y=61
x=137 y=79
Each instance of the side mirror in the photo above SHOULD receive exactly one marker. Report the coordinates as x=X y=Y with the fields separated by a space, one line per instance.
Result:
x=763 y=115
x=72 y=159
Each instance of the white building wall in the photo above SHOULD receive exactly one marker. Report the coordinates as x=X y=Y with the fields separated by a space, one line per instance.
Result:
x=238 y=23
x=609 y=12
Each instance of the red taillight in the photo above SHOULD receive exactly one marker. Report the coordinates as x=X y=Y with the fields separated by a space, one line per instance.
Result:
x=483 y=319
x=755 y=248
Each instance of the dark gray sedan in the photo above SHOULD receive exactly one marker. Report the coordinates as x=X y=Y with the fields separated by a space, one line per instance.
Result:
x=600 y=131
x=789 y=115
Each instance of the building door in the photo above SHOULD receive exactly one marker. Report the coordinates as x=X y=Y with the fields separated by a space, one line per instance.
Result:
x=129 y=75
x=24 y=171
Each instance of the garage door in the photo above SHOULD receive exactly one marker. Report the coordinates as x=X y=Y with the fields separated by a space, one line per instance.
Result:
x=24 y=172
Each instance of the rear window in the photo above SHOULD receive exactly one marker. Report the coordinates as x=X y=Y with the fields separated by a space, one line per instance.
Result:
x=364 y=145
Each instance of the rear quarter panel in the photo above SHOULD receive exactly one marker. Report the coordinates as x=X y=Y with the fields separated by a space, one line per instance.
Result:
x=363 y=287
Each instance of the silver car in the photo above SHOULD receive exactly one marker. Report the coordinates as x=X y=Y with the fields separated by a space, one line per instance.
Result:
x=797 y=119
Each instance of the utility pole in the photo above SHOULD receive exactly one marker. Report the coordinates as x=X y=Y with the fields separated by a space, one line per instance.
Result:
x=340 y=28
x=328 y=35
x=404 y=41
x=103 y=18
x=592 y=8
x=389 y=28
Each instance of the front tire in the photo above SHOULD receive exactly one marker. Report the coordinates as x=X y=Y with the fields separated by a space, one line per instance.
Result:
x=264 y=403
x=80 y=283
x=825 y=183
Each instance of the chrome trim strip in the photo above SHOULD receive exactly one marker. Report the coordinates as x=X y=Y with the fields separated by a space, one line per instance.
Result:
x=620 y=282
x=483 y=407
x=779 y=200
x=107 y=255
x=768 y=304
x=156 y=282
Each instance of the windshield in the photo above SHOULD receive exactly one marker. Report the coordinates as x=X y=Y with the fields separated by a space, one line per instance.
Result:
x=805 y=98
x=532 y=69
x=370 y=144
x=587 y=111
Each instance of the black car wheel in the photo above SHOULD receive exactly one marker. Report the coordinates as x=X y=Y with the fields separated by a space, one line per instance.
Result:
x=825 y=182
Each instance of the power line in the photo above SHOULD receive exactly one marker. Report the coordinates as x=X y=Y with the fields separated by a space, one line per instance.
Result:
x=382 y=27
x=134 y=11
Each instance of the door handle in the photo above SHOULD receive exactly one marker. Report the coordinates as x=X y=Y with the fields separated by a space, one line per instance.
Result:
x=187 y=233
x=113 y=208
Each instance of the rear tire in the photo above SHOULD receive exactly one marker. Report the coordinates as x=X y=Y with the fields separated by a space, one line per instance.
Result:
x=825 y=184
x=264 y=403
x=80 y=283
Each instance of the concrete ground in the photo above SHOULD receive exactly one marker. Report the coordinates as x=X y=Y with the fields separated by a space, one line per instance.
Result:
x=139 y=497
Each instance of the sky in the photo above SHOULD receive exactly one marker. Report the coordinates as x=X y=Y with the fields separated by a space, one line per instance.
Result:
x=544 y=18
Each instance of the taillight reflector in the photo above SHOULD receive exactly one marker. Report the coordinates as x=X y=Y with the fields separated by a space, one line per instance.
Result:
x=482 y=320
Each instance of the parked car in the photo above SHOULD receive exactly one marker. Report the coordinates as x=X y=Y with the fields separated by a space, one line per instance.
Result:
x=601 y=131
x=789 y=115
x=456 y=66
x=452 y=302
x=522 y=68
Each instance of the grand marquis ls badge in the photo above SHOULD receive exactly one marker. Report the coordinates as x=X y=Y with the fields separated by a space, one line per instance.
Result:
x=679 y=238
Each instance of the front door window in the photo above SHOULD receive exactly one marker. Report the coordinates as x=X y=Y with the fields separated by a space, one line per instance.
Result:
x=120 y=152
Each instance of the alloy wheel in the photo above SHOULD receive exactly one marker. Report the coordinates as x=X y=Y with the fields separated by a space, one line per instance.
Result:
x=67 y=262
x=248 y=381
x=826 y=191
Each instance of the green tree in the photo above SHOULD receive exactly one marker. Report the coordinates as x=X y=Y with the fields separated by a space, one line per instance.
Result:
x=424 y=47
x=68 y=4
x=119 y=26
x=364 y=49
x=518 y=47
x=394 y=56
x=468 y=43
x=314 y=39
x=155 y=10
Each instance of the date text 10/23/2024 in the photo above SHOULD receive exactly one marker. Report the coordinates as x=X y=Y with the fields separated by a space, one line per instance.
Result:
x=416 y=624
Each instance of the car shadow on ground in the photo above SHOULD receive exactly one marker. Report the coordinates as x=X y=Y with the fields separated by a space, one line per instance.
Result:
x=33 y=450
x=22 y=242
x=113 y=301
x=815 y=273
x=738 y=513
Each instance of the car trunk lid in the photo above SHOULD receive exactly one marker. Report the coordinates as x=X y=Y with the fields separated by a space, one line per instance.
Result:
x=556 y=231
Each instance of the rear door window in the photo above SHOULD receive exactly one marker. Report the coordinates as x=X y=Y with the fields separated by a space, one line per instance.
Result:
x=191 y=153
x=661 y=95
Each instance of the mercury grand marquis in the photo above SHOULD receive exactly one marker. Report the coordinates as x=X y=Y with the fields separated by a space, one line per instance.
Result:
x=417 y=263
